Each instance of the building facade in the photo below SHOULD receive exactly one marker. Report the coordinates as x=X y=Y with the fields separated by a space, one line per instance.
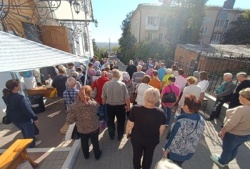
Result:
x=53 y=23
x=148 y=24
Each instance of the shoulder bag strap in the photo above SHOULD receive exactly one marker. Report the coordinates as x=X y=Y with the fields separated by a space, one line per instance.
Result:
x=169 y=86
x=194 y=128
x=70 y=96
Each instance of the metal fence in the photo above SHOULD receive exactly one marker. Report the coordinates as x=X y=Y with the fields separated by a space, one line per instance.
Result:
x=215 y=66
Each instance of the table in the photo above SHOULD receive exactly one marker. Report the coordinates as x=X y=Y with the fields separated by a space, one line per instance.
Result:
x=46 y=92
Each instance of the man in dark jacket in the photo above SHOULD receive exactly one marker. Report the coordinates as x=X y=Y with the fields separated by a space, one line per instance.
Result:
x=59 y=81
x=244 y=83
x=223 y=95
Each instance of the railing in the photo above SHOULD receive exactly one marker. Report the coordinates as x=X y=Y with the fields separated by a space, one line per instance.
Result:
x=215 y=67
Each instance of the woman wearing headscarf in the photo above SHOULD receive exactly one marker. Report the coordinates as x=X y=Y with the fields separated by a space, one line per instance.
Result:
x=83 y=113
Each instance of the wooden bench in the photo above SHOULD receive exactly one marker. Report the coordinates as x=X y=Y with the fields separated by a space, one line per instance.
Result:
x=16 y=154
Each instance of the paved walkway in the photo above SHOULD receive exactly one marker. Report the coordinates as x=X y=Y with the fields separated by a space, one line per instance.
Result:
x=118 y=155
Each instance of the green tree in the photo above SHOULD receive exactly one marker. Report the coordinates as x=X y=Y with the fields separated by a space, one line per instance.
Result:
x=239 y=34
x=97 y=51
x=127 y=42
x=183 y=20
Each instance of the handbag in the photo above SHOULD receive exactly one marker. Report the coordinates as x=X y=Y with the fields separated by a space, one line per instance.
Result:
x=72 y=133
x=75 y=135
x=6 y=120
x=166 y=163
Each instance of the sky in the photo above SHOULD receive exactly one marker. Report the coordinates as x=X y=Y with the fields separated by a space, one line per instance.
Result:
x=111 y=13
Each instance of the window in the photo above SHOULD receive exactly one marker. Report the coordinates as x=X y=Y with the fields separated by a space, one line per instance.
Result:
x=160 y=37
x=152 y=20
x=226 y=23
x=150 y=36
x=217 y=23
x=222 y=22
x=217 y=37
x=204 y=30
x=162 y=21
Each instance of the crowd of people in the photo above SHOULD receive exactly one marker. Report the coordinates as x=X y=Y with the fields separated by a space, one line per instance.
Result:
x=104 y=93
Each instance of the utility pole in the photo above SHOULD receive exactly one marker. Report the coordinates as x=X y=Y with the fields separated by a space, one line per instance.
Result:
x=109 y=47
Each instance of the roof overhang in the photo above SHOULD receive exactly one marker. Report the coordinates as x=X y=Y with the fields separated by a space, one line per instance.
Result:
x=19 y=54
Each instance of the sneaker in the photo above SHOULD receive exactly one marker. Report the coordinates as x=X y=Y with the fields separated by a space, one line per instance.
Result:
x=209 y=119
x=215 y=159
x=38 y=142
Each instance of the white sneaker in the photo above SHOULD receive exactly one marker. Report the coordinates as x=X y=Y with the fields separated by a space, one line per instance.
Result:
x=38 y=142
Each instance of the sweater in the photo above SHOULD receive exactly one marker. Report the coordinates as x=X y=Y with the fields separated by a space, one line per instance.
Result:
x=19 y=109
x=237 y=120
x=185 y=136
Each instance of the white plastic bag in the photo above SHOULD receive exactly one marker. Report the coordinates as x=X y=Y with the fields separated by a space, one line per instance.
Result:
x=69 y=132
x=165 y=163
x=25 y=165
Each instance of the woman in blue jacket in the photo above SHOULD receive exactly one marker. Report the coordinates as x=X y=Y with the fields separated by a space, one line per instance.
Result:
x=185 y=132
x=19 y=110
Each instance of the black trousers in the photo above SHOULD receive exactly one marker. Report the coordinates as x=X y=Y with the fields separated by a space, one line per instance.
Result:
x=93 y=136
x=217 y=109
x=119 y=112
x=139 y=150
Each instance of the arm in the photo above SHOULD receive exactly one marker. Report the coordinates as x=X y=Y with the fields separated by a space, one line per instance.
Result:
x=104 y=96
x=162 y=129
x=129 y=128
x=232 y=121
x=172 y=135
x=229 y=90
x=26 y=109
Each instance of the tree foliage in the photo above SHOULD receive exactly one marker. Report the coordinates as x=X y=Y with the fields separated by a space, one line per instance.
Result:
x=239 y=33
x=183 y=20
x=127 y=42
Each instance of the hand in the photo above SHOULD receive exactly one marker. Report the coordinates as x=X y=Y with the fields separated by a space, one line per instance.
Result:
x=221 y=134
x=36 y=122
x=165 y=153
x=127 y=108
x=215 y=95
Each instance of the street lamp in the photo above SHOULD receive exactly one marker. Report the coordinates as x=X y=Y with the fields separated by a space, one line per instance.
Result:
x=96 y=23
x=76 y=6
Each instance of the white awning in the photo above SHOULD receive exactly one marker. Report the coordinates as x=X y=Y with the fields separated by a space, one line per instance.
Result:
x=19 y=54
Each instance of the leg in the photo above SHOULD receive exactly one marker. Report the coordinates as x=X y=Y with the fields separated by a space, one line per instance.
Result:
x=95 y=143
x=120 y=115
x=167 y=110
x=137 y=154
x=216 y=109
x=85 y=144
x=148 y=156
x=111 y=118
x=230 y=147
x=28 y=131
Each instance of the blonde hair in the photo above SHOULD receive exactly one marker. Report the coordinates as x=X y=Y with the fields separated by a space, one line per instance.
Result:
x=152 y=95
x=115 y=73
x=191 y=80
x=245 y=93
x=84 y=94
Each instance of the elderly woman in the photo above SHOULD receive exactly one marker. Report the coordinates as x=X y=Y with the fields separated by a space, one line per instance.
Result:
x=145 y=125
x=83 y=113
x=141 y=88
x=185 y=132
x=165 y=78
x=236 y=130
x=190 y=89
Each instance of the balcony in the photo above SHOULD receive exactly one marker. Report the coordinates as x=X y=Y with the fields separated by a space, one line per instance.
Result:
x=151 y=27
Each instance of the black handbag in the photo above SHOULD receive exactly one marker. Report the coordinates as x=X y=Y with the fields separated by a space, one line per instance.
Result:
x=6 y=120
x=75 y=135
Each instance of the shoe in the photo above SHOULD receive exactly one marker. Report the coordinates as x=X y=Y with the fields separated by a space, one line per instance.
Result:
x=215 y=159
x=167 y=125
x=86 y=156
x=209 y=119
x=38 y=142
x=100 y=154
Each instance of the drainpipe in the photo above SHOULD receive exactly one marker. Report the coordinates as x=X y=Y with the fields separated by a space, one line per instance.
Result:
x=139 y=25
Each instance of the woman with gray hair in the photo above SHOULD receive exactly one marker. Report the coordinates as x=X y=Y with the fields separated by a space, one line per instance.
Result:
x=145 y=125
x=236 y=130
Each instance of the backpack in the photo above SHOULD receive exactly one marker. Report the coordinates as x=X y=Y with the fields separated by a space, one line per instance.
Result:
x=169 y=97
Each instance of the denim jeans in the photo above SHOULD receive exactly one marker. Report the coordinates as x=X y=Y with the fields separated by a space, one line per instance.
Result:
x=230 y=146
x=167 y=110
x=28 y=131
